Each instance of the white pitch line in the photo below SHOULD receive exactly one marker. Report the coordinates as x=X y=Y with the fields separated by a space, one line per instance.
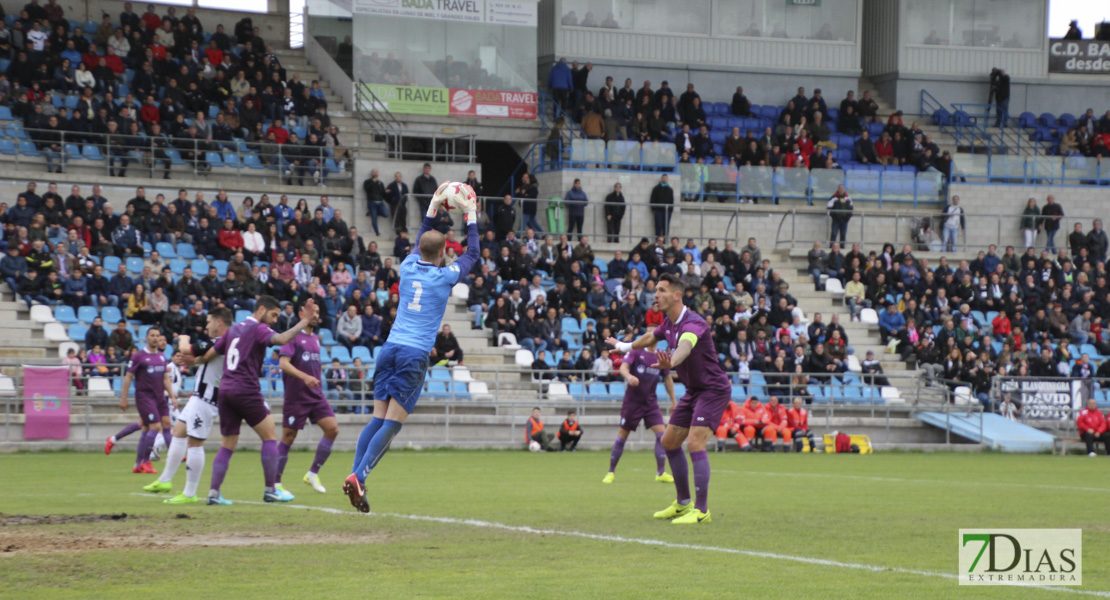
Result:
x=1068 y=488
x=650 y=542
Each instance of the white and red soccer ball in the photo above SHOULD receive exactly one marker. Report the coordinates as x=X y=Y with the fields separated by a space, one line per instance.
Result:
x=458 y=196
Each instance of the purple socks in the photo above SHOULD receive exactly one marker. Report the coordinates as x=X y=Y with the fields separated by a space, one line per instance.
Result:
x=219 y=470
x=660 y=455
x=146 y=443
x=269 y=462
x=323 y=451
x=615 y=455
x=126 y=431
x=283 y=457
x=167 y=436
x=681 y=474
x=701 y=479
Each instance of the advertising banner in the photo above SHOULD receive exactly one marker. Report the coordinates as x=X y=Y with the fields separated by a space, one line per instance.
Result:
x=413 y=100
x=46 y=409
x=504 y=12
x=1083 y=57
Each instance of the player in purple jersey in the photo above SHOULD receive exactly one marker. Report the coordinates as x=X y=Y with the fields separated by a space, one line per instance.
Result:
x=699 y=411
x=641 y=404
x=304 y=401
x=244 y=348
x=147 y=368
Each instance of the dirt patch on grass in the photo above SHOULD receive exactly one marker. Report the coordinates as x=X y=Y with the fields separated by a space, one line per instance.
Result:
x=30 y=534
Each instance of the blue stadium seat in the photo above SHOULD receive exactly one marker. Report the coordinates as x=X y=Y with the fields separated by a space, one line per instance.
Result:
x=86 y=314
x=221 y=267
x=27 y=148
x=177 y=266
x=362 y=353
x=439 y=374
x=436 y=389
x=166 y=249
x=342 y=354
x=326 y=337
x=570 y=325
x=91 y=152
x=64 y=314
x=111 y=315
x=200 y=267
x=572 y=344
x=252 y=162
x=576 y=390
x=77 y=331
x=241 y=315
x=6 y=114
x=596 y=391
x=7 y=147
x=459 y=390
x=186 y=251
x=135 y=265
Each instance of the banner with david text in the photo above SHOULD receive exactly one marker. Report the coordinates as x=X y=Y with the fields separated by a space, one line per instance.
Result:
x=46 y=408
x=1053 y=399
x=415 y=100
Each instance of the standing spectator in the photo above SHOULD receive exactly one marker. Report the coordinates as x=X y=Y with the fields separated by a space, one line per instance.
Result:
x=614 y=213
x=424 y=187
x=576 y=201
x=396 y=195
x=504 y=217
x=375 y=199
x=1051 y=214
x=840 y=211
x=528 y=191
x=954 y=223
x=560 y=81
x=1097 y=242
x=1077 y=240
x=1002 y=97
x=1092 y=427
x=662 y=206
x=1031 y=222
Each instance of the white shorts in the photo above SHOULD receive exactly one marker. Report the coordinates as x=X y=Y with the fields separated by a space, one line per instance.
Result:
x=174 y=413
x=199 y=416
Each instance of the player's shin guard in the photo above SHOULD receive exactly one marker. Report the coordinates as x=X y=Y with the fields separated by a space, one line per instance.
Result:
x=364 y=438
x=681 y=473
x=194 y=466
x=660 y=455
x=283 y=457
x=219 y=470
x=615 y=454
x=377 y=448
x=323 y=451
x=176 y=452
x=701 y=479
x=269 y=463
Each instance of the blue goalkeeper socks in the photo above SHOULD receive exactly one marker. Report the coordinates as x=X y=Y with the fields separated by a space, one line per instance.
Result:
x=364 y=440
x=377 y=448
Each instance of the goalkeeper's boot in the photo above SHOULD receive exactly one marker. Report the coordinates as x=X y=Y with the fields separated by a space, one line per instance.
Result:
x=693 y=517
x=674 y=510
x=158 y=487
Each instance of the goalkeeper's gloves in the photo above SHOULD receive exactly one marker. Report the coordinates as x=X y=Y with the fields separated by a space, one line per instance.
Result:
x=437 y=199
x=469 y=205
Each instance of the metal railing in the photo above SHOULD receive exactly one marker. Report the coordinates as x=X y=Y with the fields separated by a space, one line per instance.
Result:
x=1034 y=170
x=724 y=183
x=162 y=156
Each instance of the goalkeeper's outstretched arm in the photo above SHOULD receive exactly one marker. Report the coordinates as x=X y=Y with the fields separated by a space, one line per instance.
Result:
x=467 y=260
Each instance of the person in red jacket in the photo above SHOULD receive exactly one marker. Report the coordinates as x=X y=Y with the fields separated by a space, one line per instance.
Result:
x=281 y=134
x=113 y=61
x=797 y=424
x=795 y=158
x=884 y=149
x=151 y=20
x=730 y=427
x=752 y=418
x=1092 y=427
x=653 y=317
x=149 y=114
x=776 y=425
x=1001 y=327
x=229 y=239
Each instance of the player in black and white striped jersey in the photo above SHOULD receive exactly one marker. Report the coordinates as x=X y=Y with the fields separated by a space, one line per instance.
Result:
x=196 y=420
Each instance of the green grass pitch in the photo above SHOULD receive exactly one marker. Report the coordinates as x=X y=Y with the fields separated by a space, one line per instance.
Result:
x=548 y=528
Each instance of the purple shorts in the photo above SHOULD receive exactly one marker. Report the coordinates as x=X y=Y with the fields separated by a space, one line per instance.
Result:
x=701 y=409
x=634 y=412
x=150 y=410
x=294 y=415
x=236 y=409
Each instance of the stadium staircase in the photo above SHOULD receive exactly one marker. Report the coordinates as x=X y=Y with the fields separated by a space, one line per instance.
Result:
x=995 y=431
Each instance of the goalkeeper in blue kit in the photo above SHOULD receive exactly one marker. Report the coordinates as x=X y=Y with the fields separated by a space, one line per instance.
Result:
x=401 y=365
